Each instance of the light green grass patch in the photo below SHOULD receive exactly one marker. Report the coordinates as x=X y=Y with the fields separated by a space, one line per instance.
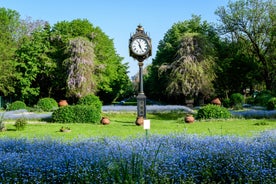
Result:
x=123 y=125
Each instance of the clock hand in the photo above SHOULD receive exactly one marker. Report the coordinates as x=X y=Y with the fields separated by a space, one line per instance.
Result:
x=139 y=44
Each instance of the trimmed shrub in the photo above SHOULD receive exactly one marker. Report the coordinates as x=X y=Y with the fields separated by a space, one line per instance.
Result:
x=20 y=124
x=271 y=104
x=237 y=100
x=77 y=114
x=91 y=100
x=47 y=104
x=213 y=112
x=16 y=105
x=262 y=98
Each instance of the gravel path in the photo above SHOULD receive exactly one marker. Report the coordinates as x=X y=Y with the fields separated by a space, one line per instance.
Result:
x=106 y=108
x=149 y=108
x=24 y=113
x=250 y=113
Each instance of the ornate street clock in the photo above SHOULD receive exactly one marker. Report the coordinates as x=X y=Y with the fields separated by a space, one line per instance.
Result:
x=140 y=49
x=140 y=45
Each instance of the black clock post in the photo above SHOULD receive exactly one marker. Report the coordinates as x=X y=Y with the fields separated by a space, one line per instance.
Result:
x=140 y=49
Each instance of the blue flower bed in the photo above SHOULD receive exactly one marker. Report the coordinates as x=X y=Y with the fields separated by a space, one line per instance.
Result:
x=156 y=159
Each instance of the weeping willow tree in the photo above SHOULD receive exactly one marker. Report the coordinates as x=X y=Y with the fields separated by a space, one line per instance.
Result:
x=192 y=72
x=80 y=66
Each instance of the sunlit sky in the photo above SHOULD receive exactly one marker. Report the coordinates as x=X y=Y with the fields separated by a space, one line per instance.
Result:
x=119 y=18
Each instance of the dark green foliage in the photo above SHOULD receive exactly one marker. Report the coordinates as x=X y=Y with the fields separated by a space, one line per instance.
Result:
x=271 y=104
x=92 y=100
x=77 y=114
x=250 y=100
x=213 y=112
x=253 y=23
x=20 y=124
x=47 y=104
x=226 y=103
x=237 y=100
x=9 y=34
x=16 y=106
x=262 y=98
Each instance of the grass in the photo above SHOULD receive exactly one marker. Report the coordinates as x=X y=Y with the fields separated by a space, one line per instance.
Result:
x=122 y=125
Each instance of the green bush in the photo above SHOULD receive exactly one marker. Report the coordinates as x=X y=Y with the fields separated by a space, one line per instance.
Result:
x=262 y=98
x=47 y=104
x=213 y=112
x=91 y=100
x=237 y=100
x=77 y=114
x=226 y=103
x=249 y=100
x=16 y=106
x=271 y=104
x=20 y=124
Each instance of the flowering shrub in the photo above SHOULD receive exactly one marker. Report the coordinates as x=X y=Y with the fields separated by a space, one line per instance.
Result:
x=254 y=114
x=157 y=159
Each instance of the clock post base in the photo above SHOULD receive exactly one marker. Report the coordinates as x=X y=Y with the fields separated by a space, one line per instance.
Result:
x=141 y=105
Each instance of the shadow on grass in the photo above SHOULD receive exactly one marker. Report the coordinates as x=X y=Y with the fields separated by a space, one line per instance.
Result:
x=125 y=123
x=11 y=130
x=166 y=115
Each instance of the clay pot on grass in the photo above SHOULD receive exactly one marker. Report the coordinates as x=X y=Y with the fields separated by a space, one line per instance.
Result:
x=189 y=118
x=139 y=121
x=105 y=121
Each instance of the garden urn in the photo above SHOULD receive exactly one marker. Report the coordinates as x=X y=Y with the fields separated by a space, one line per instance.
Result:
x=62 y=103
x=105 y=121
x=216 y=101
x=189 y=118
x=139 y=121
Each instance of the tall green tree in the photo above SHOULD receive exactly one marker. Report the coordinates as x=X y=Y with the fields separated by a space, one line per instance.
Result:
x=9 y=26
x=176 y=59
x=34 y=65
x=236 y=70
x=254 y=22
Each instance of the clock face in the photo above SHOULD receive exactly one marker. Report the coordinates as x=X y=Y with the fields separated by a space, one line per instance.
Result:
x=140 y=46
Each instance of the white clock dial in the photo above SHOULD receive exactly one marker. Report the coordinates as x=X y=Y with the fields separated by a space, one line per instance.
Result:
x=140 y=46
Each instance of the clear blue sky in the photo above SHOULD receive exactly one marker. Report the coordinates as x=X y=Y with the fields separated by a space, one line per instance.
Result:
x=119 y=18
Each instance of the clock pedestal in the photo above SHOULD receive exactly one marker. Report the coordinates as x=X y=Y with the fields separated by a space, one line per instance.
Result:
x=141 y=98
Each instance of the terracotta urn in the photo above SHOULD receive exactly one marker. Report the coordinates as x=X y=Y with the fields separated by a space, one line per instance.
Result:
x=105 y=121
x=139 y=121
x=216 y=101
x=62 y=103
x=189 y=118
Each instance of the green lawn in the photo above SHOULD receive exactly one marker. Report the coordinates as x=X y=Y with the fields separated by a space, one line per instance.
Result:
x=122 y=125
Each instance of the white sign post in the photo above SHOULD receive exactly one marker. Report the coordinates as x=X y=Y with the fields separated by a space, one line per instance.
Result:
x=146 y=126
